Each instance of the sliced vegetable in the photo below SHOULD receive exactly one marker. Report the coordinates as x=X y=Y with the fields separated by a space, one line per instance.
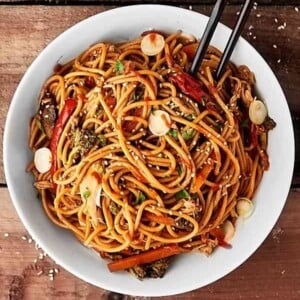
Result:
x=173 y=133
x=190 y=50
x=58 y=129
x=257 y=112
x=90 y=190
x=158 y=218
x=119 y=66
x=189 y=86
x=201 y=177
x=144 y=257
x=244 y=207
x=102 y=140
x=141 y=197
x=159 y=122
x=152 y=43
x=43 y=159
x=228 y=230
x=219 y=234
x=183 y=194
x=188 y=134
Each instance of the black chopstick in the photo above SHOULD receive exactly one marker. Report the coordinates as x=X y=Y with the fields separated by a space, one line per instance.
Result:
x=207 y=35
x=235 y=34
x=209 y=31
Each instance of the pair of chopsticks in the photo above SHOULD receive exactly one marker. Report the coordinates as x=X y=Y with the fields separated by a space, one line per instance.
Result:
x=209 y=31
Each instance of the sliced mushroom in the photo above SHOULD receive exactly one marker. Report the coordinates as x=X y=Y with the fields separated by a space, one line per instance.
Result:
x=48 y=113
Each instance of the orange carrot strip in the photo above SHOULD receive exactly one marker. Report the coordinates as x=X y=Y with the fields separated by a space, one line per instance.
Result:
x=158 y=218
x=144 y=258
x=200 y=178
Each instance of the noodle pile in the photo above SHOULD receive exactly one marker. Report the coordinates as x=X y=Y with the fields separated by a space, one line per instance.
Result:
x=123 y=190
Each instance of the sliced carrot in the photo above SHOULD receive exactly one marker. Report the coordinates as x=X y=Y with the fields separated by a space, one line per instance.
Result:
x=144 y=257
x=159 y=218
x=201 y=177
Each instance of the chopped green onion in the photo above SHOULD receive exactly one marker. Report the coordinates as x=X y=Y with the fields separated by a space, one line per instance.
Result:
x=179 y=169
x=173 y=133
x=102 y=140
x=190 y=117
x=119 y=66
x=140 y=198
x=188 y=134
x=86 y=194
x=183 y=194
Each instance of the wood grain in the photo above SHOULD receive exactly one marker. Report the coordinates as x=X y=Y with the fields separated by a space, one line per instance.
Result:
x=271 y=273
x=126 y=2
x=41 y=24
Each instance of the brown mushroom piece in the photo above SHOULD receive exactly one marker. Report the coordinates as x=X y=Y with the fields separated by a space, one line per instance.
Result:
x=48 y=113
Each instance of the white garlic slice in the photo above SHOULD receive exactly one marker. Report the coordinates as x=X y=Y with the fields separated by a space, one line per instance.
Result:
x=257 y=112
x=228 y=229
x=152 y=43
x=244 y=207
x=43 y=159
x=159 y=122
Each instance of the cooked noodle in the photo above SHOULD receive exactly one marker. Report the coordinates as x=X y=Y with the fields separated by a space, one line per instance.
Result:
x=145 y=192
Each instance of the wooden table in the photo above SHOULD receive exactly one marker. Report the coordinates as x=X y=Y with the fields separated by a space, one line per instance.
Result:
x=273 y=272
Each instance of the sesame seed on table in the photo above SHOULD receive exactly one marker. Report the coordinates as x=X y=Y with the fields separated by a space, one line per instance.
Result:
x=27 y=272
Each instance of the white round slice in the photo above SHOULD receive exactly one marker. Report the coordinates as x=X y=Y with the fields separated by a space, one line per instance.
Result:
x=244 y=207
x=159 y=122
x=43 y=159
x=257 y=112
x=152 y=44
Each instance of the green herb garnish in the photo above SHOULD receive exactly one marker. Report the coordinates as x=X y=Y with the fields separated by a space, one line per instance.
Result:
x=183 y=194
x=86 y=194
x=188 y=134
x=119 y=66
x=140 y=198
x=102 y=140
x=179 y=169
x=173 y=133
x=190 y=117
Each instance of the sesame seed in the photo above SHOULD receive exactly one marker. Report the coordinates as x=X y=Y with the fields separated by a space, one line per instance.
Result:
x=6 y=234
x=39 y=273
x=274 y=46
x=279 y=60
x=56 y=270
x=296 y=9
x=51 y=271
x=35 y=261
x=24 y=238
x=275 y=20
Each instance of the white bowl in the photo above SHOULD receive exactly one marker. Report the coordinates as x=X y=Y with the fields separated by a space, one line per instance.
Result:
x=190 y=271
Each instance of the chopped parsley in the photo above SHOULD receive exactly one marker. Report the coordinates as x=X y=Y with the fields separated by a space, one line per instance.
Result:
x=183 y=194
x=119 y=66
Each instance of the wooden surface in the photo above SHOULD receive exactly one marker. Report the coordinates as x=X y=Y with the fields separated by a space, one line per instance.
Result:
x=273 y=272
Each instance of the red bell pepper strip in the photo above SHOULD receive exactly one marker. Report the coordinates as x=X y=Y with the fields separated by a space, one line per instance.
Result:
x=189 y=86
x=58 y=129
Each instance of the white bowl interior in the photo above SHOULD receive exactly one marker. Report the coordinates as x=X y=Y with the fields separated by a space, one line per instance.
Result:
x=193 y=270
